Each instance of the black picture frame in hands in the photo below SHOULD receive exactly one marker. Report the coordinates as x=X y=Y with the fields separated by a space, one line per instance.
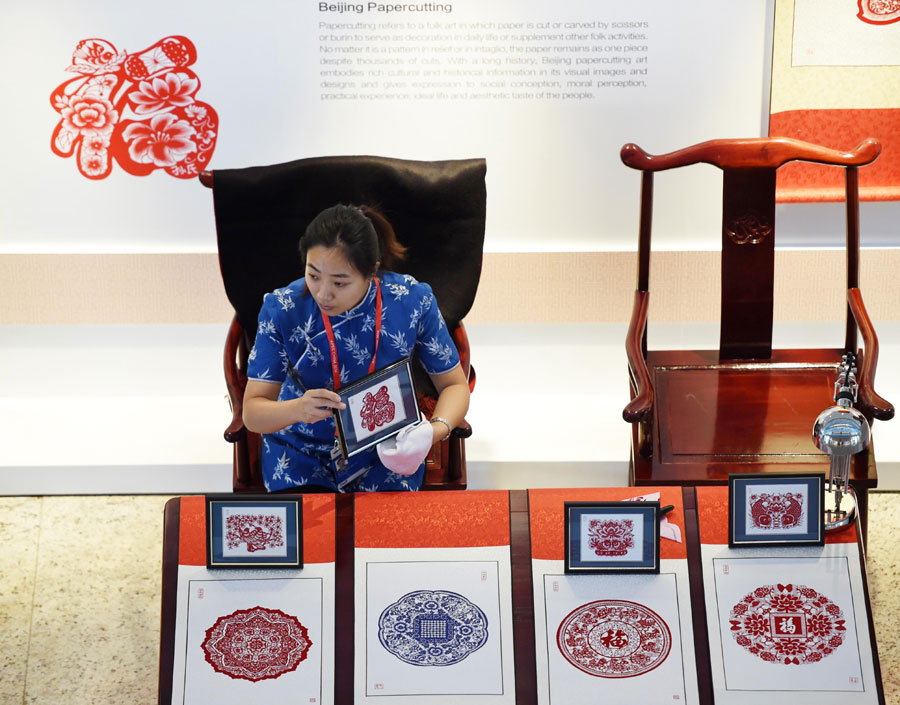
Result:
x=379 y=406
x=776 y=509
x=254 y=532
x=612 y=537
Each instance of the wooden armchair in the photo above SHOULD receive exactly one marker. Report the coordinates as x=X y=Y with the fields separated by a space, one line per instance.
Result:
x=699 y=415
x=438 y=212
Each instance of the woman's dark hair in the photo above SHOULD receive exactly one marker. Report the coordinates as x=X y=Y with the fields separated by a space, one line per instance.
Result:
x=364 y=236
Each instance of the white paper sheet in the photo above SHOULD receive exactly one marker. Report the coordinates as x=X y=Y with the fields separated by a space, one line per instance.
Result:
x=813 y=599
x=205 y=596
x=829 y=33
x=667 y=598
x=455 y=605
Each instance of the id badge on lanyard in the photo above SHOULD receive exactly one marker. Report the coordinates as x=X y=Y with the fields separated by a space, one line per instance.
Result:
x=338 y=459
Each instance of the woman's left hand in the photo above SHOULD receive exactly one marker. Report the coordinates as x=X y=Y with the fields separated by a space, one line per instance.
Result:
x=405 y=452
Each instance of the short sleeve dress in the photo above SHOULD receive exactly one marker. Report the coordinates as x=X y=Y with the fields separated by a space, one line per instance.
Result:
x=291 y=333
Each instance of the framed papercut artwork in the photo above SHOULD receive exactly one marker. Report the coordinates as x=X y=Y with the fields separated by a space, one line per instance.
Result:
x=261 y=532
x=612 y=537
x=379 y=406
x=776 y=510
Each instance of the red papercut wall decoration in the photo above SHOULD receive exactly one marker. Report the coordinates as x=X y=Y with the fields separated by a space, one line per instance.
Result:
x=879 y=11
x=139 y=109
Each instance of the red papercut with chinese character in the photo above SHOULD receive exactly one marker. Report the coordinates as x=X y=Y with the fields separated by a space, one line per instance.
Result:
x=879 y=11
x=377 y=410
x=614 y=639
x=256 y=644
x=611 y=537
x=139 y=109
x=788 y=624
x=258 y=531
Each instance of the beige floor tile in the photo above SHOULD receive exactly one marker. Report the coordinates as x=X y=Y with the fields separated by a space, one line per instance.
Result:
x=883 y=569
x=95 y=629
x=20 y=520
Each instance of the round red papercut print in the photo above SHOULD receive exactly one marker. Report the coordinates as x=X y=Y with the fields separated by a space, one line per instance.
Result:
x=614 y=639
x=787 y=624
x=256 y=644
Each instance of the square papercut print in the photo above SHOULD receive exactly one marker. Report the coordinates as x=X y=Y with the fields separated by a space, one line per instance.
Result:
x=612 y=537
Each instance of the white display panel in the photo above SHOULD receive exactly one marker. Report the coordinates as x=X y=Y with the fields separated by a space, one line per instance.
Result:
x=500 y=80
x=433 y=625
x=212 y=666
x=813 y=600
x=665 y=672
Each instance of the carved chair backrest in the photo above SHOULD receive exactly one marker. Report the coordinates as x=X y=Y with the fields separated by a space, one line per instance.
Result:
x=748 y=169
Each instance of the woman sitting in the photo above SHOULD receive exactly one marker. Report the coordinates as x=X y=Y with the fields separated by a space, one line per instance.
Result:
x=349 y=316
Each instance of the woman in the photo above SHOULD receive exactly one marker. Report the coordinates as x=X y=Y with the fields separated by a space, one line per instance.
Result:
x=321 y=332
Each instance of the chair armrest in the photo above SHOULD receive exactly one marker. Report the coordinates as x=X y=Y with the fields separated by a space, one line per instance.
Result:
x=642 y=403
x=870 y=403
x=235 y=379
x=461 y=340
x=464 y=430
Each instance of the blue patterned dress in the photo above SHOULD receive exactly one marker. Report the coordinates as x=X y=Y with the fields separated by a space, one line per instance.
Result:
x=291 y=332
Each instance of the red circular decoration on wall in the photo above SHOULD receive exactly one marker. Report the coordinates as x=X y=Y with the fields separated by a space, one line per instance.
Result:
x=788 y=624
x=256 y=644
x=614 y=639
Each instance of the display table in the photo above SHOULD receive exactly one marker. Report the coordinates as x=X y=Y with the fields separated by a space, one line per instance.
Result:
x=499 y=550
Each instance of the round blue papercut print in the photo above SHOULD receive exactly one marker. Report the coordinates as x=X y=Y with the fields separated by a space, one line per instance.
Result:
x=432 y=628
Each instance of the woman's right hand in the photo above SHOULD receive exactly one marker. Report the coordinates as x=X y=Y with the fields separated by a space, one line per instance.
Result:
x=316 y=405
x=263 y=413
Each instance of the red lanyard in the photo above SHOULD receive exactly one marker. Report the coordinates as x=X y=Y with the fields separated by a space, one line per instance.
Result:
x=332 y=345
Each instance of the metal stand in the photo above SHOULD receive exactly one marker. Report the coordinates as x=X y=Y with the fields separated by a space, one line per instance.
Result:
x=841 y=432
x=840 y=507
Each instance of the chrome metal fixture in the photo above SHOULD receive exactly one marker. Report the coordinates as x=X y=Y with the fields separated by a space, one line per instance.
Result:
x=841 y=432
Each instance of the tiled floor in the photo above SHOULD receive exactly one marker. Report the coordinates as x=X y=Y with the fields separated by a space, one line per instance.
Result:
x=80 y=597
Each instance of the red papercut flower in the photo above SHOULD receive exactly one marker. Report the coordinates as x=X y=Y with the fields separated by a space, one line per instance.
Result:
x=786 y=603
x=93 y=165
x=818 y=625
x=195 y=112
x=95 y=143
x=756 y=624
x=87 y=114
x=790 y=647
x=164 y=92
x=164 y=142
